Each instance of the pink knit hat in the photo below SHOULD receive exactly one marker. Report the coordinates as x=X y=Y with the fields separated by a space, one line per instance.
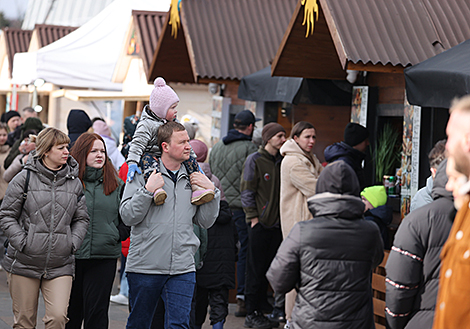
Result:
x=162 y=97
x=101 y=128
x=200 y=148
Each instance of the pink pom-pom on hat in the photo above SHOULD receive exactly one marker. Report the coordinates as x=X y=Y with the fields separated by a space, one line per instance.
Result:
x=162 y=97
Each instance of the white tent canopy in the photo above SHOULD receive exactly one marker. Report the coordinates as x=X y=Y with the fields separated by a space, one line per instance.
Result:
x=85 y=58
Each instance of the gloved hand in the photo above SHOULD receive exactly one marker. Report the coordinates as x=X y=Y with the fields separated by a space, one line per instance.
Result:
x=133 y=168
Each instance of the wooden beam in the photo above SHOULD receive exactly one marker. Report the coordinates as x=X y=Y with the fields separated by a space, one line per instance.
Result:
x=220 y=81
x=369 y=67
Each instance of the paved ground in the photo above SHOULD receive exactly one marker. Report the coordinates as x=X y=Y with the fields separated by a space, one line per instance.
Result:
x=117 y=313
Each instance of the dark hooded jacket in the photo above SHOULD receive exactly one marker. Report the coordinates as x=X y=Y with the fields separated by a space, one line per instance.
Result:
x=31 y=124
x=353 y=157
x=382 y=216
x=329 y=259
x=218 y=269
x=413 y=265
x=78 y=122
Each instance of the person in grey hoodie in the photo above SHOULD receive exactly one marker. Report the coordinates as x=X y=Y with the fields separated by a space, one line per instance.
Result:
x=329 y=259
x=424 y=194
x=45 y=218
x=163 y=243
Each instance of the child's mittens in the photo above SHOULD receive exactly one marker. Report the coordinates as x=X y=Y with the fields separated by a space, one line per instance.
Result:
x=133 y=168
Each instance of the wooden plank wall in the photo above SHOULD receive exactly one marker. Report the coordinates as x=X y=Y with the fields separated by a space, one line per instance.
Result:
x=391 y=87
x=329 y=122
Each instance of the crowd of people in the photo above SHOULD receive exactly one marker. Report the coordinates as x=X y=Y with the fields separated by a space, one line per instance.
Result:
x=298 y=239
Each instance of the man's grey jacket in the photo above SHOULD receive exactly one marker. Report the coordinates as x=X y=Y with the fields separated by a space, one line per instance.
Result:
x=162 y=237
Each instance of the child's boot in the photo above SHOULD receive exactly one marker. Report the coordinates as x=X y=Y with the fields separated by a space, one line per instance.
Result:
x=159 y=197
x=201 y=195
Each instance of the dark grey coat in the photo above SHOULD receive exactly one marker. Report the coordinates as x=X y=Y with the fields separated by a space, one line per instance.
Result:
x=50 y=226
x=330 y=258
x=413 y=265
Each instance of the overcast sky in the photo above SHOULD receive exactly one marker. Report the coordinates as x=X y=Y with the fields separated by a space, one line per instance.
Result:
x=13 y=8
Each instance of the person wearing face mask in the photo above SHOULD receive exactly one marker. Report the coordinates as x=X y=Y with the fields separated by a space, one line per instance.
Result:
x=96 y=259
x=44 y=216
x=352 y=150
x=300 y=169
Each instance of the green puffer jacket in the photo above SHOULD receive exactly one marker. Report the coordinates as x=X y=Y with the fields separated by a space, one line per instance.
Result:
x=102 y=239
x=226 y=161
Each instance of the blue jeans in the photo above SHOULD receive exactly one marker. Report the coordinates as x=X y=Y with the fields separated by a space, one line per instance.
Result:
x=145 y=291
x=242 y=230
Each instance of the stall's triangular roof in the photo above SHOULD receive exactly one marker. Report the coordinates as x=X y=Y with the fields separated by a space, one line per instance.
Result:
x=14 y=41
x=145 y=29
x=370 y=35
x=44 y=34
x=85 y=58
x=221 y=40
x=149 y=27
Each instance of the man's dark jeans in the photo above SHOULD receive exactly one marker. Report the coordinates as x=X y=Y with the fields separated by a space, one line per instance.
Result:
x=144 y=293
x=240 y=223
x=262 y=247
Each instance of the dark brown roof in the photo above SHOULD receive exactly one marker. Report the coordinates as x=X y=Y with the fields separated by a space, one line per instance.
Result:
x=222 y=39
x=149 y=27
x=375 y=35
x=47 y=34
x=17 y=41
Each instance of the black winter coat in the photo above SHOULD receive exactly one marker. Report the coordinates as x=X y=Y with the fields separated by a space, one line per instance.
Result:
x=218 y=269
x=329 y=259
x=413 y=265
x=382 y=216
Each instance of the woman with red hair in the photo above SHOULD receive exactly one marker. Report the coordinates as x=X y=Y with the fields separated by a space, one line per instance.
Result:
x=96 y=260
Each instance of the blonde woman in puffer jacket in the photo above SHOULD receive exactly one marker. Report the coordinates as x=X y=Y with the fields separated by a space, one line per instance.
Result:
x=44 y=230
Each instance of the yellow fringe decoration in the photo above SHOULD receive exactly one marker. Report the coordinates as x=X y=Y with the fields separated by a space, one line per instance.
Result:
x=310 y=7
x=174 y=18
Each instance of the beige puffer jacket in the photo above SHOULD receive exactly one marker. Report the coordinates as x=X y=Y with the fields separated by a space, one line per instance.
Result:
x=50 y=226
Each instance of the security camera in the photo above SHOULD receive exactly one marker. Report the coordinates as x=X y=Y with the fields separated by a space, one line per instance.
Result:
x=213 y=88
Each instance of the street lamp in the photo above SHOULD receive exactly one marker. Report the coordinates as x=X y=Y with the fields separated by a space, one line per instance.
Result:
x=38 y=83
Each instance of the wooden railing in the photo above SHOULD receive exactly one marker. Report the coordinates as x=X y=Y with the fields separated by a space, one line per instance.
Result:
x=378 y=290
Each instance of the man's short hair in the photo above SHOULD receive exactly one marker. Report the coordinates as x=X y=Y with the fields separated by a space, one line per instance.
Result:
x=239 y=126
x=437 y=154
x=462 y=103
x=165 y=132
x=28 y=109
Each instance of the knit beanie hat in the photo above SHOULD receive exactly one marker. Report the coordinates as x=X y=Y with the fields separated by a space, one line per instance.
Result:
x=270 y=130
x=376 y=195
x=355 y=134
x=200 y=148
x=11 y=114
x=101 y=128
x=162 y=97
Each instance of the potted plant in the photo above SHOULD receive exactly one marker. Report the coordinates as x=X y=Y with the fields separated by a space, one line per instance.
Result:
x=387 y=152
